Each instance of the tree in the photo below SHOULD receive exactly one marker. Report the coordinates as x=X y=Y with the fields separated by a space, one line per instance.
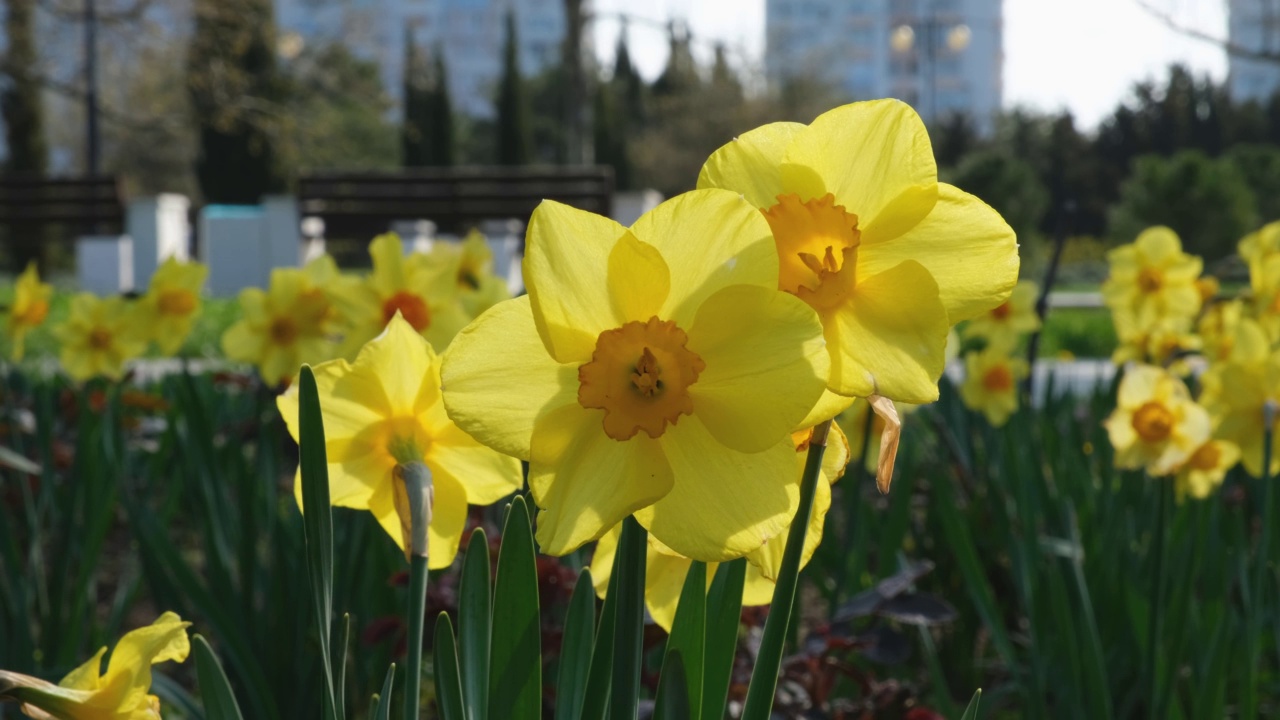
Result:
x=441 y=137
x=336 y=109
x=235 y=93
x=1260 y=166
x=417 y=106
x=1008 y=184
x=20 y=103
x=514 y=139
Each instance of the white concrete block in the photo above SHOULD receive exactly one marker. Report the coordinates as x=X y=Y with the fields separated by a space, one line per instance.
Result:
x=283 y=232
x=630 y=205
x=160 y=230
x=506 y=242
x=233 y=244
x=104 y=263
x=416 y=235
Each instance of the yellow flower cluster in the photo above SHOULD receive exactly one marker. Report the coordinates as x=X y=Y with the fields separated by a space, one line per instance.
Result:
x=1154 y=292
x=992 y=374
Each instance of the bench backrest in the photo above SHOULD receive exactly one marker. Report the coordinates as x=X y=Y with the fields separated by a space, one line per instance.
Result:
x=83 y=204
x=360 y=205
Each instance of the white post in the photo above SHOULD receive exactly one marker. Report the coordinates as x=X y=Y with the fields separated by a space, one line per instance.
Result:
x=312 y=238
x=415 y=235
x=233 y=245
x=104 y=263
x=283 y=231
x=505 y=239
x=160 y=230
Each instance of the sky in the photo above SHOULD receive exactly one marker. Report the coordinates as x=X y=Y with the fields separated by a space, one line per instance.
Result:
x=1082 y=55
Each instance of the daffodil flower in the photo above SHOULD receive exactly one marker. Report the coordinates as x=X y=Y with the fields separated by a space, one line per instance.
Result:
x=1259 y=246
x=1207 y=467
x=423 y=292
x=289 y=324
x=991 y=383
x=1152 y=278
x=29 y=309
x=665 y=569
x=1006 y=323
x=1217 y=329
x=865 y=234
x=120 y=693
x=1237 y=391
x=1155 y=425
x=99 y=336
x=384 y=410
x=654 y=370
x=470 y=263
x=172 y=302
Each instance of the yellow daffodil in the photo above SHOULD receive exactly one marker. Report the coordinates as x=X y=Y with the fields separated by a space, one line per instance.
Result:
x=665 y=569
x=120 y=693
x=470 y=263
x=888 y=256
x=1259 y=246
x=991 y=380
x=289 y=324
x=654 y=370
x=1152 y=279
x=1237 y=391
x=1155 y=425
x=1166 y=342
x=423 y=292
x=383 y=410
x=1208 y=287
x=1266 y=296
x=1205 y=470
x=29 y=309
x=1006 y=323
x=99 y=336
x=172 y=302
x=1217 y=328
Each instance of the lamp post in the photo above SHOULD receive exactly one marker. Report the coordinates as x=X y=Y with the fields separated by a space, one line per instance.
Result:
x=92 y=151
x=903 y=40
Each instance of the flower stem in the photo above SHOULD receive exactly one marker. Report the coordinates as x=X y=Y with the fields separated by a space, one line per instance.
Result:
x=764 y=679
x=1258 y=596
x=417 y=609
x=413 y=500
x=1154 y=620
x=628 y=626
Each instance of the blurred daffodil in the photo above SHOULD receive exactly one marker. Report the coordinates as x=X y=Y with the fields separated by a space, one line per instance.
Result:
x=172 y=302
x=1152 y=278
x=383 y=410
x=991 y=380
x=1166 y=342
x=1217 y=328
x=423 y=292
x=29 y=309
x=470 y=263
x=889 y=257
x=289 y=324
x=1266 y=296
x=1205 y=470
x=1236 y=393
x=1006 y=323
x=99 y=336
x=666 y=569
x=120 y=693
x=654 y=370
x=1258 y=247
x=1155 y=425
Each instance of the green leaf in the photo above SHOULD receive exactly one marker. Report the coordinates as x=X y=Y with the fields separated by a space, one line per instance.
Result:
x=689 y=632
x=341 y=681
x=15 y=460
x=474 y=626
x=971 y=712
x=317 y=521
x=448 y=680
x=382 y=706
x=628 y=624
x=672 y=702
x=596 y=699
x=575 y=649
x=215 y=691
x=515 y=674
x=724 y=614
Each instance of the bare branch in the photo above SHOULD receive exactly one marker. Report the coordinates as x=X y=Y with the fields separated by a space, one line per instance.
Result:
x=1232 y=49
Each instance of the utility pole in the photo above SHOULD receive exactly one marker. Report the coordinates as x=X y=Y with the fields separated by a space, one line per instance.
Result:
x=92 y=151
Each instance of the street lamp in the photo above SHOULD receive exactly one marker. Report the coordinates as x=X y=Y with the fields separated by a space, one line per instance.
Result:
x=957 y=37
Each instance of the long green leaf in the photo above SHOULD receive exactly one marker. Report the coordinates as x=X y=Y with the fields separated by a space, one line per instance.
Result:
x=628 y=622
x=448 y=680
x=724 y=615
x=475 y=626
x=382 y=708
x=595 y=702
x=575 y=649
x=689 y=632
x=971 y=712
x=317 y=522
x=672 y=702
x=215 y=691
x=515 y=671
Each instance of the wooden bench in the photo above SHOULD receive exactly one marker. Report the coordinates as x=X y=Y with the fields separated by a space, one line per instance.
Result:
x=361 y=205
x=79 y=204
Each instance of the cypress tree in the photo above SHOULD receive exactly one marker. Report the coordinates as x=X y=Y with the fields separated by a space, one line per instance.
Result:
x=231 y=59
x=514 y=139
x=440 y=138
x=20 y=102
x=627 y=84
x=413 y=128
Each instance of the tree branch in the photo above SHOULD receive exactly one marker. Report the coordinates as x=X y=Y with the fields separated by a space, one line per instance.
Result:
x=1232 y=49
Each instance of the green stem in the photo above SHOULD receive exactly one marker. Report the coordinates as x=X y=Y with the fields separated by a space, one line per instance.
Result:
x=764 y=678
x=1154 y=620
x=1250 y=703
x=628 y=626
x=417 y=611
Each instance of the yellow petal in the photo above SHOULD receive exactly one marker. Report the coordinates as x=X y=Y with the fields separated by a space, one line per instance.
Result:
x=766 y=365
x=876 y=159
x=710 y=239
x=585 y=482
x=967 y=247
x=498 y=378
x=751 y=163
x=890 y=339
x=448 y=517
x=487 y=474
x=724 y=503
x=399 y=361
x=768 y=559
x=87 y=676
x=566 y=269
x=602 y=560
x=663 y=581
x=638 y=279
x=128 y=673
x=1158 y=244
x=827 y=407
x=349 y=402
